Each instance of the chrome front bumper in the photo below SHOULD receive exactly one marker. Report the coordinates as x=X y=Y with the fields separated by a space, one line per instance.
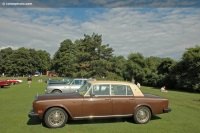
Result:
x=32 y=114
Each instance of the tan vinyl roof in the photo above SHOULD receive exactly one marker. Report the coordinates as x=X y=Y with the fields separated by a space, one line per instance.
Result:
x=135 y=89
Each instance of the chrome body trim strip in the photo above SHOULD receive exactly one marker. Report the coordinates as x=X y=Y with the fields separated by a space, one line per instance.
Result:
x=106 y=116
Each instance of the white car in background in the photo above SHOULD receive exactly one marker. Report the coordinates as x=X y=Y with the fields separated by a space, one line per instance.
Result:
x=37 y=74
x=67 y=87
x=19 y=80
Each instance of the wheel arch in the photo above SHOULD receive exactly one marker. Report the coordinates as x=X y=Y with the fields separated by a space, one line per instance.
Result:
x=58 y=106
x=144 y=105
x=56 y=90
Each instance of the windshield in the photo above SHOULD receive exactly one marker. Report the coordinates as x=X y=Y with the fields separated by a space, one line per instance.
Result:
x=84 y=89
x=67 y=80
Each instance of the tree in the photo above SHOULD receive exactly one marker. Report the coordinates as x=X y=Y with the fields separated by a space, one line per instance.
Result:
x=118 y=67
x=24 y=61
x=44 y=61
x=152 y=76
x=4 y=53
x=186 y=74
x=65 y=58
x=93 y=58
x=165 y=66
x=135 y=67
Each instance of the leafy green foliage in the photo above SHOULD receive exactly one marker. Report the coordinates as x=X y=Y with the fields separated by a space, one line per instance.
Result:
x=24 y=61
x=88 y=57
x=65 y=58
x=186 y=74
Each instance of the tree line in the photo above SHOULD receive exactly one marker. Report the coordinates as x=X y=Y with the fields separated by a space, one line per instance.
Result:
x=88 y=57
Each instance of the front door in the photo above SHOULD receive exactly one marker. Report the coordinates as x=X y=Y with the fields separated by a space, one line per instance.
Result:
x=99 y=104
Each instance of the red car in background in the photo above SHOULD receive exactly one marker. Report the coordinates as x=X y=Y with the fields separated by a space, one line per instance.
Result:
x=4 y=83
x=12 y=81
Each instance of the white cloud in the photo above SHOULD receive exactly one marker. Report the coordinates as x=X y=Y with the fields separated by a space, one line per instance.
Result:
x=161 y=33
x=153 y=32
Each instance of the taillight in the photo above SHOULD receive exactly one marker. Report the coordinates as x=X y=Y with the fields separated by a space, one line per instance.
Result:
x=165 y=106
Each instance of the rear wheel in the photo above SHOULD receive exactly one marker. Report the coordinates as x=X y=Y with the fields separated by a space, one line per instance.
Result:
x=55 y=118
x=142 y=115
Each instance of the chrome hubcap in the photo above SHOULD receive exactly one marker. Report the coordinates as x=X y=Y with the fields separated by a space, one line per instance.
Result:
x=142 y=115
x=56 y=118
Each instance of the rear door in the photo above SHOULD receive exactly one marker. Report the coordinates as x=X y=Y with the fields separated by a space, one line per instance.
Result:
x=122 y=99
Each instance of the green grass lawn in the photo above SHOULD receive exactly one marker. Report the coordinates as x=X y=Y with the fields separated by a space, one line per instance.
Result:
x=16 y=102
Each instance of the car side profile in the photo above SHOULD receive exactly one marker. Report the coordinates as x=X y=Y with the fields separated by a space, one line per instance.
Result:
x=4 y=83
x=12 y=81
x=65 y=87
x=98 y=99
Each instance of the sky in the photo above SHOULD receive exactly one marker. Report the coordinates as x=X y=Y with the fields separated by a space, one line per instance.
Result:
x=150 y=27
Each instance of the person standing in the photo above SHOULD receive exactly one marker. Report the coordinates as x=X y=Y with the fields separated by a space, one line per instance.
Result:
x=29 y=79
x=138 y=85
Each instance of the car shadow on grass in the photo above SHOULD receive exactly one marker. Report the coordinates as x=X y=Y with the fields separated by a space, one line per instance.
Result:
x=106 y=120
x=5 y=88
x=99 y=121
x=34 y=121
x=154 y=117
x=37 y=121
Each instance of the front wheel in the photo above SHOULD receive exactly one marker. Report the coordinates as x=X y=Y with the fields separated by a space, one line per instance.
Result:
x=142 y=115
x=55 y=118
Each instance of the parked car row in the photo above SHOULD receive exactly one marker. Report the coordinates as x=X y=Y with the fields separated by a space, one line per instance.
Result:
x=4 y=83
x=88 y=99
x=9 y=82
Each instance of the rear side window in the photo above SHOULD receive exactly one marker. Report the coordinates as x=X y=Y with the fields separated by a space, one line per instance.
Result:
x=77 y=82
x=121 y=90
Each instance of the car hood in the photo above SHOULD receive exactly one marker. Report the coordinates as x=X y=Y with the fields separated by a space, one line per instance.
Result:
x=59 y=96
x=57 y=84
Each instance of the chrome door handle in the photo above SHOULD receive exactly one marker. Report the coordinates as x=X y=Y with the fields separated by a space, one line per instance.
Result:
x=107 y=99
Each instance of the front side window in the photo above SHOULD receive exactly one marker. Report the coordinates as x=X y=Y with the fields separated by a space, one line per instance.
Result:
x=101 y=90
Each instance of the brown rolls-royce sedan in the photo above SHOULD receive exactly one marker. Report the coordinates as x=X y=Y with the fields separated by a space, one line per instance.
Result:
x=98 y=99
